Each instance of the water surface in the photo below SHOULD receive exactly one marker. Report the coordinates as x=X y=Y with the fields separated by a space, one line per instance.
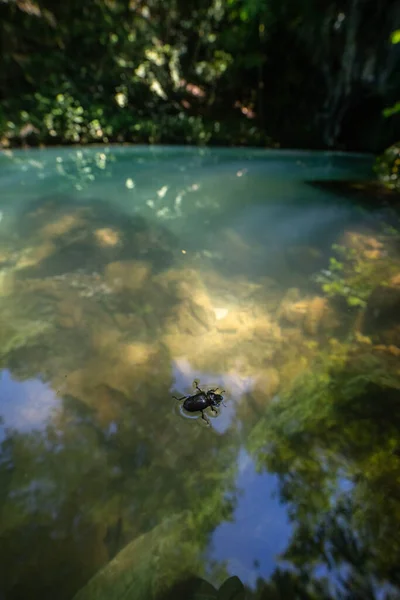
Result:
x=126 y=274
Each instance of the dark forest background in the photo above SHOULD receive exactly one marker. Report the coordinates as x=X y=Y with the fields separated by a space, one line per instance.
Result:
x=306 y=74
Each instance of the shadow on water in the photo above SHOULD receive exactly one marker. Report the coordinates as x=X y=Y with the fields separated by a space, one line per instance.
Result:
x=371 y=195
x=108 y=491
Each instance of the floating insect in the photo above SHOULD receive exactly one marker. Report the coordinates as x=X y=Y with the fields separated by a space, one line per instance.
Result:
x=201 y=400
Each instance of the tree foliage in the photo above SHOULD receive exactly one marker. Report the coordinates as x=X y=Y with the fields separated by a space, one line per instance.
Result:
x=221 y=71
x=387 y=165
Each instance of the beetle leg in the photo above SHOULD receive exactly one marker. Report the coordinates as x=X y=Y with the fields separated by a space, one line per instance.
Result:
x=214 y=409
x=203 y=416
x=176 y=398
x=197 y=388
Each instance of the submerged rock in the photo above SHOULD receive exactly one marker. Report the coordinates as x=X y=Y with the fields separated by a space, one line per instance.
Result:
x=305 y=259
x=105 y=337
x=317 y=309
x=107 y=237
x=366 y=244
x=191 y=310
x=295 y=312
x=32 y=257
x=7 y=282
x=230 y=323
x=313 y=314
x=266 y=329
x=191 y=318
x=149 y=565
x=382 y=313
x=18 y=333
x=180 y=284
x=292 y=308
x=126 y=275
x=391 y=349
x=202 y=310
x=62 y=225
x=138 y=353
x=395 y=280
x=70 y=308
x=266 y=386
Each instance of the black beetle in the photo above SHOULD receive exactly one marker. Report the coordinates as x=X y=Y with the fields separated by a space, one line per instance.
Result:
x=202 y=400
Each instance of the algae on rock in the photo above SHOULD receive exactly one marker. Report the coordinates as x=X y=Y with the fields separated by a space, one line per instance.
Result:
x=149 y=565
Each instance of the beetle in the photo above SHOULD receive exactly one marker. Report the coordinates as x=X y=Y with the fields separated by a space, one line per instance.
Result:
x=201 y=400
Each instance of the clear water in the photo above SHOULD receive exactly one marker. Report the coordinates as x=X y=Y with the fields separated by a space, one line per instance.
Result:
x=126 y=274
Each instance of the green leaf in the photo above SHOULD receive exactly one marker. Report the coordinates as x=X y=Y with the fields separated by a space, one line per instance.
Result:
x=232 y=589
x=326 y=288
x=354 y=301
x=395 y=37
x=335 y=265
x=392 y=110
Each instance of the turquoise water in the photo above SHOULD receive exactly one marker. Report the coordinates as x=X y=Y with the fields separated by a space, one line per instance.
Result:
x=125 y=275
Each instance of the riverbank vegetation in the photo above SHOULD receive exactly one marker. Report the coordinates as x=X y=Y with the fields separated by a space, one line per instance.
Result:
x=230 y=72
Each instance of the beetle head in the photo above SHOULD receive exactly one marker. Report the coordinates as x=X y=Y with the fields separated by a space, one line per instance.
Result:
x=215 y=399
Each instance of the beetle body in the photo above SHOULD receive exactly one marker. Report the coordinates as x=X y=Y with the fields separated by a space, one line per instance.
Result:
x=202 y=400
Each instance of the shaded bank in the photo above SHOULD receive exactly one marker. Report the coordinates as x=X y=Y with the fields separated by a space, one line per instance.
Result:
x=240 y=72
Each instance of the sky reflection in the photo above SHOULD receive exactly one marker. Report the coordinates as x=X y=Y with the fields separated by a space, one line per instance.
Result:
x=25 y=405
x=260 y=529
